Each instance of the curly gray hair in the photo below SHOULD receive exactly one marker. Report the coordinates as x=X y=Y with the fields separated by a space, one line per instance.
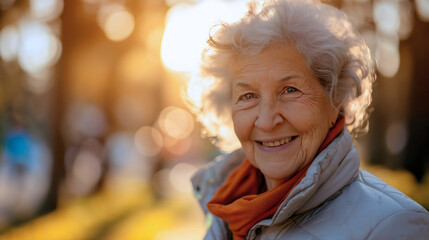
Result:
x=334 y=52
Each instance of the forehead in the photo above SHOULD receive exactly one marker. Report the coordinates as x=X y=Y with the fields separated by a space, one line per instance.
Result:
x=277 y=59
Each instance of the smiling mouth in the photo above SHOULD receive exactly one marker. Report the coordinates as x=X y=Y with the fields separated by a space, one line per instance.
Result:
x=277 y=142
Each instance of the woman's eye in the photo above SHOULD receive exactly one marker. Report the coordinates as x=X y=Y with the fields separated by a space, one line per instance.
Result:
x=248 y=96
x=290 y=90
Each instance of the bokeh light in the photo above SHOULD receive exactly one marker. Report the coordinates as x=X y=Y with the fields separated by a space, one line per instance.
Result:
x=116 y=22
x=396 y=137
x=388 y=56
x=24 y=174
x=46 y=9
x=121 y=150
x=128 y=168
x=39 y=48
x=176 y=122
x=86 y=120
x=148 y=141
x=386 y=16
x=406 y=19
x=162 y=183
x=177 y=147
x=180 y=177
x=9 y=43
x=86 y=168
x=422 y=7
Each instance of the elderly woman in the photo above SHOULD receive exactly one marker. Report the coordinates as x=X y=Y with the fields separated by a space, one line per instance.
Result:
x=293 y=80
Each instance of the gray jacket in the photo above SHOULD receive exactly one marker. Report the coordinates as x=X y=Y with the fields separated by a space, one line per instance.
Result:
x=335 y=200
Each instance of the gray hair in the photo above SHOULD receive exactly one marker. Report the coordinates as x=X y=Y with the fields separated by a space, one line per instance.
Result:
x=334 y=52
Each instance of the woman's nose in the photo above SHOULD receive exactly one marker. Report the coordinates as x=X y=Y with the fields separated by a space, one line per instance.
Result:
x=268 y=118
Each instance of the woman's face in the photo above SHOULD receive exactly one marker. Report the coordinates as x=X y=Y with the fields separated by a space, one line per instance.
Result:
x=280 y=112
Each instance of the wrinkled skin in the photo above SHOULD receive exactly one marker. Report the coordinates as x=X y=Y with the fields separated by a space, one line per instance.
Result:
x=276 y=99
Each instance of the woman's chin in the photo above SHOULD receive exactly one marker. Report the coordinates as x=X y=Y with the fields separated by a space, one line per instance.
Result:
x=277 y=172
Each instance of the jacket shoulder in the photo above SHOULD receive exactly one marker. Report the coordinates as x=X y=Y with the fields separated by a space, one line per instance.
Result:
x=407 y=219
x=368 y=208
x=395 y=199
x=402 y=225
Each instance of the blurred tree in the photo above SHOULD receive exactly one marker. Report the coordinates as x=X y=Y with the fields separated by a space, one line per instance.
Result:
x=417 y=152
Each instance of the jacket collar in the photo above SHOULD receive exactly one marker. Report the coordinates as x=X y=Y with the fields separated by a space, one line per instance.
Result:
x=334 y=168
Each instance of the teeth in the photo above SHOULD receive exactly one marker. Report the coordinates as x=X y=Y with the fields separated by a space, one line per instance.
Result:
x=277 y=143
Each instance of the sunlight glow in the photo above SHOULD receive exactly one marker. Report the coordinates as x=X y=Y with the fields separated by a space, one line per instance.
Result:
x=188 y=28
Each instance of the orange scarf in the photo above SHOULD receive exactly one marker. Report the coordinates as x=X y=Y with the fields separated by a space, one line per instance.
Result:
x=243 y=201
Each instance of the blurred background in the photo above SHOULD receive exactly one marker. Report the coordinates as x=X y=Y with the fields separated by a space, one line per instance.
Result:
x=96 y=142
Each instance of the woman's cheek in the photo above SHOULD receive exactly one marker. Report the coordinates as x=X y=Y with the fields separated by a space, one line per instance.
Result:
x=298 y=115
x=236 y=120
x=241 y=125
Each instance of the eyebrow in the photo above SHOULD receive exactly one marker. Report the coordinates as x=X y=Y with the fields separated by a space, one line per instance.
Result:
x=243 y=84
x=288 y=78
